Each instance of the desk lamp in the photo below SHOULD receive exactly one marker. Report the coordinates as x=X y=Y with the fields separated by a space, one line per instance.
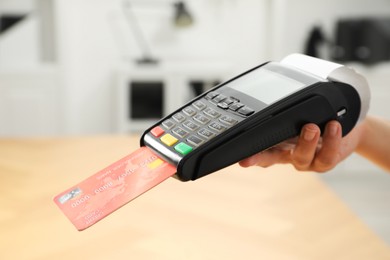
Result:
x=182 y=18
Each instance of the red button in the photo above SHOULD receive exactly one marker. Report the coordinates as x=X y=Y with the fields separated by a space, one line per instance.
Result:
x=157 y=131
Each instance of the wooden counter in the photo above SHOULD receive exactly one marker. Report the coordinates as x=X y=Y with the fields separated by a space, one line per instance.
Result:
x=236 y=213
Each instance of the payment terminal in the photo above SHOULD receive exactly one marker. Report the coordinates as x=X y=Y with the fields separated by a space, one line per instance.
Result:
x=255 y=111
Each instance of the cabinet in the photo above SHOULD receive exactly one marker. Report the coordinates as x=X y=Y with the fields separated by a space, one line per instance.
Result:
x=160 y=90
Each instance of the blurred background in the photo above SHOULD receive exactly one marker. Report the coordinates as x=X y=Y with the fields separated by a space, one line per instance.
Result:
x=83 y=67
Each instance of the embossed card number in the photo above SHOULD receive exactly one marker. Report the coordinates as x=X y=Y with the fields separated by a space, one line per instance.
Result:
x=104 y=192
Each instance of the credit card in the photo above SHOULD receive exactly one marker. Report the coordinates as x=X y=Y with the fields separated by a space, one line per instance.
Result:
x=109 y=189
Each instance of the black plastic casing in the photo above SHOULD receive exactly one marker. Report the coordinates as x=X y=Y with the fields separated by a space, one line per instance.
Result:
x=318 y=103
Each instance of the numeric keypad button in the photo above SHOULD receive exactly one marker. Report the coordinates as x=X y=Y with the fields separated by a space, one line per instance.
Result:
x=190 y=125
x=211 y=112
x=180 y=132
x=168 y=124
x=228 y=120
x=179 y=117
x=199 y=105
x=189 y=111
x=194 y=140
x=206 y=133
x=217 y=127
x=201 y=119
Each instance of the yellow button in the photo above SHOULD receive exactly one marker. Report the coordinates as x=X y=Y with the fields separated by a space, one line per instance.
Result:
x=168 y=140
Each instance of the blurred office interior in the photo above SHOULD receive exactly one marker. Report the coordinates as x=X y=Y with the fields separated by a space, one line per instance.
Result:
x=90 y=67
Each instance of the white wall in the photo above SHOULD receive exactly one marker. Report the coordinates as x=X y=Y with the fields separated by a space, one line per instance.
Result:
x=93 y=40
x=87 y=55
x=29 y=102
x=19 y=48
x=16 y=6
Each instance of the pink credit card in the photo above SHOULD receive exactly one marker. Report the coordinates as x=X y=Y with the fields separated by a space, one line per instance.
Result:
x=109 y=189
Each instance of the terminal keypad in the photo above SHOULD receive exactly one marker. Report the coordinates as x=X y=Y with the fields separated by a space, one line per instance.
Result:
x=200 y=121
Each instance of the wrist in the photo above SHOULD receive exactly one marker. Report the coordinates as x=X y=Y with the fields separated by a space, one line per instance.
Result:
x=362 y=132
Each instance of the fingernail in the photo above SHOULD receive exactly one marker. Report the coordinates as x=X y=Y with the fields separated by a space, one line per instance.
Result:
x=333 y=129
x=309 y=135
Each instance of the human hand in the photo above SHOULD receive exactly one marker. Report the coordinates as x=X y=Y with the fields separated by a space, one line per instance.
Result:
x=311 y=152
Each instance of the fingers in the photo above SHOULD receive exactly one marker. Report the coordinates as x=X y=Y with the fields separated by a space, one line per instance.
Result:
x=307 y=156
x=329 y=154
x=267 y=158
x=303 y=155
x=247 y=162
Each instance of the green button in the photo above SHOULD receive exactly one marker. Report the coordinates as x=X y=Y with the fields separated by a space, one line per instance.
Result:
x=183 y=148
